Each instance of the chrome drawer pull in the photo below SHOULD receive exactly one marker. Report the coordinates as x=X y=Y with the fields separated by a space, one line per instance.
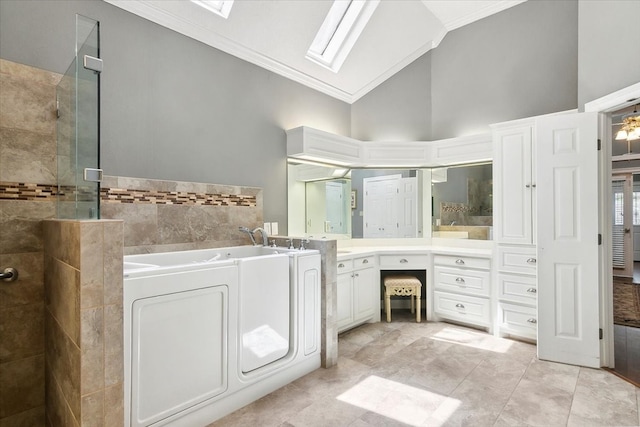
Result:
x=531 y=261
x=459 y=280
x=365 y=261
x=460 y=261
x=459 y=305
x=403 y=261
x=533 y=321
x=341 y=265
x=532 y=290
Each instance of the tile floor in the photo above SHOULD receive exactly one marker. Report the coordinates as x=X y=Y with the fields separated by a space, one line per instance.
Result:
x=436 y=374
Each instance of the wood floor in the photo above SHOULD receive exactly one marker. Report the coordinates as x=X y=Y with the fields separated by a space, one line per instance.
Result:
x=627 y=344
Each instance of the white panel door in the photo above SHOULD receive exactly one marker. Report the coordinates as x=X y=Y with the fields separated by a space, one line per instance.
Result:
x=380 y=206
x=408 y=207
x=568 y=315
x=336 y=212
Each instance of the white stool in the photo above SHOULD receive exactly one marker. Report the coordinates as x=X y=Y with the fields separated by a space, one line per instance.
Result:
x=402 y=285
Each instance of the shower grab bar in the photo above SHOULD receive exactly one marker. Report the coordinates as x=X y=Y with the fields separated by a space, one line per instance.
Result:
x=9 y=274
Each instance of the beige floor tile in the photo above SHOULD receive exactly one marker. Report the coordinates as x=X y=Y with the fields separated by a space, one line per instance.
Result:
x=603 y=399
x=437 y=374
x=535 y=403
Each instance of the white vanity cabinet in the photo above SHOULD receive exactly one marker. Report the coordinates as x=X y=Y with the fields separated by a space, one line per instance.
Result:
x=462 y=288
x=514 y=183
x=517 y=291
x=515 y=227
x=357 y=291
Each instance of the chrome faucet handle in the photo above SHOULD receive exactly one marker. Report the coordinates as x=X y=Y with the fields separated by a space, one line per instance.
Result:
x=302 y=242
x=290 y=242
x=273 y=243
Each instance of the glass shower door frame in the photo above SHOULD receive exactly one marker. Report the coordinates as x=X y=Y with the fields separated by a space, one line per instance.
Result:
x=78 y=128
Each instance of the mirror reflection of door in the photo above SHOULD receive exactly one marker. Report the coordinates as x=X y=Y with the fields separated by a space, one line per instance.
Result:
x=327 y=207
x=336 y=195
x=622 y=232
x=390 y=206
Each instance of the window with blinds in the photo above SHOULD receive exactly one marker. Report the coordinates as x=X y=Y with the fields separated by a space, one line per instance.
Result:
x=618 y=224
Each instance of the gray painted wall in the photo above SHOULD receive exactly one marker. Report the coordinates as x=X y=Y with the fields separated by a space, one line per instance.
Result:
x=399 y=109
x=174 y=108
x=609 y=46
x=518 y=63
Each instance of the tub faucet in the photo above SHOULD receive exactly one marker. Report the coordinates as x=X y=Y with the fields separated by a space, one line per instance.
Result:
x=265 y=236
x=453 y=223
x=250 y=233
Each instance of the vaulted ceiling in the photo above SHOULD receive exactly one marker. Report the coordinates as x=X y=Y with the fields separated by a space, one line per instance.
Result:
x=277 y=34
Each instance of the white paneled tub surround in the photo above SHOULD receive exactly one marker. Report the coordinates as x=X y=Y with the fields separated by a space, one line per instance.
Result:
x=208 y=331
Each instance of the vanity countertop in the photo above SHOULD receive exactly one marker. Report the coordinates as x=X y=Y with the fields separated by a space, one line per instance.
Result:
x=349 y=252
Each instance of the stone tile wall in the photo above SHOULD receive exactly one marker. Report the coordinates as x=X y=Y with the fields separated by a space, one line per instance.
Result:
x=163 y=216
x=83 y=322
x=27 y=155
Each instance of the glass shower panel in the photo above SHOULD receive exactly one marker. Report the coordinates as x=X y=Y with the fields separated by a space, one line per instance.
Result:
x=78 y=128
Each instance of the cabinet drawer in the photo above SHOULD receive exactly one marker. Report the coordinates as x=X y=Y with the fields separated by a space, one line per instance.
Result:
x=462 y=261
x=364 y=262
x=519 y=320
x=345 y=266
x=517 y=259
x=463 y=308
x=462 y=280
x=406 y=262
x=518 y=288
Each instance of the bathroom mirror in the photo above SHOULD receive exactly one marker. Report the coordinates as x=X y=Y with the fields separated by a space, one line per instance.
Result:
x=462 y=201
x=451 y=202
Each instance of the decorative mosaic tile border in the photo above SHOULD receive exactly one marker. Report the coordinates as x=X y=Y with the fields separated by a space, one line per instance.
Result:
x=47 y=192
x=454 y=207
x=27 y=191
x=118 y=195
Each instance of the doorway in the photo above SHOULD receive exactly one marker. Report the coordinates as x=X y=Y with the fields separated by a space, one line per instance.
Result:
x=625 y=167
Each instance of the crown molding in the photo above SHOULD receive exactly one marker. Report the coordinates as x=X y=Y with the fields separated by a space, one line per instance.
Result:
x=624 y=97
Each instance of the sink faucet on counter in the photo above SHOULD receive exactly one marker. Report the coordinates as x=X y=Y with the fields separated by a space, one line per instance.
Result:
x=265 y=236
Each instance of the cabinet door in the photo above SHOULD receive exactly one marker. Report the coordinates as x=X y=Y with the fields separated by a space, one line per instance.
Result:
x=345 y=301
x=514 y=185
x=363 y=293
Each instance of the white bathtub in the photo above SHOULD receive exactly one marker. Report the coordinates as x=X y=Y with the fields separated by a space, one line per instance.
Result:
x=209 y=331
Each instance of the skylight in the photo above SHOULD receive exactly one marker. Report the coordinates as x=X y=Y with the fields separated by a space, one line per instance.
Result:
x=219 y=7
x=340 y=31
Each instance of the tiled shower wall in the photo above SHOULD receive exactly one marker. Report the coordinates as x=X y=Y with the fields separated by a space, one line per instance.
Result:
x=27 y=155
x=83 y=323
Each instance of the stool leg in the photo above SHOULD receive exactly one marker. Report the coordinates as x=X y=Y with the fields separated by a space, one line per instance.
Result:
x=418 y=307
x=413 y=306
x=387 y=306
